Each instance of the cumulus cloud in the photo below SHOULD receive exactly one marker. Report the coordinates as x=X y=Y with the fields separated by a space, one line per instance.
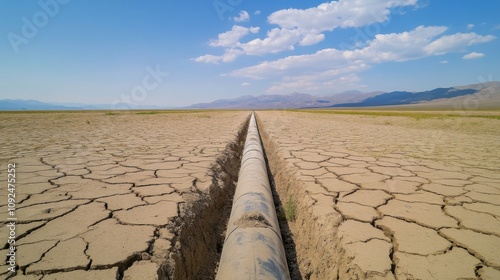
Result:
x=335 y=14
x=313 y=22
x=231 y=38
x=329 y=64
x=257 y=12
x=455 y=41
x=470 y=26
x=244 y=16
x=316 y=82
x=397 y=46
x=245 y=84
x=208 y=58
x=228 y=56
x=277 y=40
x=311 y=39
x=305 y=27
x=473 y=55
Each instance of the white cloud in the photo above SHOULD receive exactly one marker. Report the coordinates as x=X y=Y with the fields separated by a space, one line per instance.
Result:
x=315 y=70
x=444 y=62
x=231 y=38
x=329 y=67
x=319 y=61
x=397 y=46
x=311 y=39
x=245 y=84
x=315 y=82
x=257 y=12
x=244 y=16
x=335 y=14
x=228 y=56
x=383 y=48
x=208 y=58
x=470 y=26
x=313 y=22
x=473 y=55
x=456 y=41
x=305 y=27
x=277 y=40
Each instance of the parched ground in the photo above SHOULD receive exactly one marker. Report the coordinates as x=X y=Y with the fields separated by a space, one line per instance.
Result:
x=132 y=195
x=99 y=194
x=386 y=197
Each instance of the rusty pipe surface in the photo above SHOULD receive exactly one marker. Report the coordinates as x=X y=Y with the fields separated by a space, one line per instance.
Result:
x=253 y=248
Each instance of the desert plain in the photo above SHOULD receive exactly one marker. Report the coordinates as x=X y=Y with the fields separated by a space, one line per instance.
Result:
x=145 y=195
x=99 y=194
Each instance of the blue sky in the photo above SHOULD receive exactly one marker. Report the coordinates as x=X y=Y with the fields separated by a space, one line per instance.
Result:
x=176 y=53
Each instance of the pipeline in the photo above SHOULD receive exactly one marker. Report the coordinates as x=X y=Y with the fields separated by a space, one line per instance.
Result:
x=253 y=248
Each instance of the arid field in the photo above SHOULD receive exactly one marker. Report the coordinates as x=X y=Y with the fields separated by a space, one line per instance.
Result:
x=100 y=195
x=384 y=195
x=146 y=195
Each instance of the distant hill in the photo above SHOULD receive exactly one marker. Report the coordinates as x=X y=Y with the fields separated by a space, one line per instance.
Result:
x=405 y=97
x=481 y=95
x=34 y=105
x=475 y=96
x=293 y=100
x=262 y=101
x=487 y=96
x=369 y=99
x=19 y=105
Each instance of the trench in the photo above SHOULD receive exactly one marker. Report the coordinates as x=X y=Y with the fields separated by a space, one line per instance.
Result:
x=200 y=229
x=282 y=204
x=200 y=226
x=253 y=246
x=311 y=246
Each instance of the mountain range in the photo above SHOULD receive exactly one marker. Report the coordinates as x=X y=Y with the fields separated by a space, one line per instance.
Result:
x=23 y=105
x=405 y=97
x=293 y=100
x=482 y=95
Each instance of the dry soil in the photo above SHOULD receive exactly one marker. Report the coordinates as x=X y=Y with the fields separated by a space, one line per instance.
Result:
x=384 y=197
x=118 y=195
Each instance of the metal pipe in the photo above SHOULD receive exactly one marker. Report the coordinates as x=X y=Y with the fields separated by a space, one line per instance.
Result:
x=253 y=248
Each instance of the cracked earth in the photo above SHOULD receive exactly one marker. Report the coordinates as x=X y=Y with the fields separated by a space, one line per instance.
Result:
x=100 y=196
x=139 y=196
x=389 y=197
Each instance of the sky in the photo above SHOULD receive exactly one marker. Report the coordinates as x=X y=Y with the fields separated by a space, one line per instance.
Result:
x=177 y=53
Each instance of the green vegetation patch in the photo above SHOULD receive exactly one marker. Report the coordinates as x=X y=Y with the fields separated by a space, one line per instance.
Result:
x=290 y=209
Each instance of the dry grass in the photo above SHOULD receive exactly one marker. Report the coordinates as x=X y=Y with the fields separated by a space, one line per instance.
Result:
x=412 y=114
x=290 y=209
